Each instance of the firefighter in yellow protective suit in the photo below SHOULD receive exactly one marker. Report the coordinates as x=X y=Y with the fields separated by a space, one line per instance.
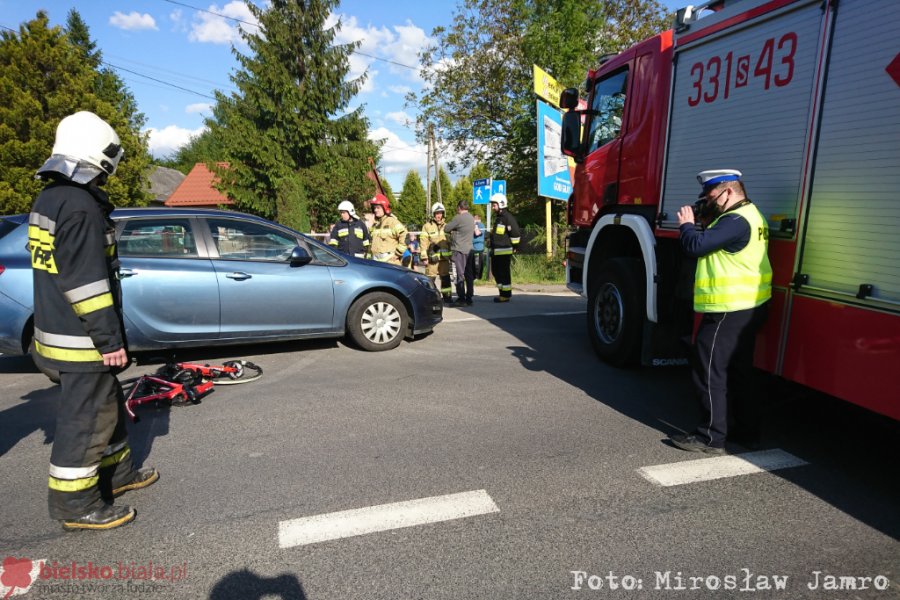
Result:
x=388 y=233
x=78 y=326
x=435 y=250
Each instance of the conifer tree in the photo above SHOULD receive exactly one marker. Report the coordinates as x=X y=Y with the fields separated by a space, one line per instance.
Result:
x=46 y=75
x=411 y=207
x=292 y=147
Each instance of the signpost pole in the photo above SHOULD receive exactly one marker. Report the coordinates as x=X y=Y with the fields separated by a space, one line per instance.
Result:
x=549 y=231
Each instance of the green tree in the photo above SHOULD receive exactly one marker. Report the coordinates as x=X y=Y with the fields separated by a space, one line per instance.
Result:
x=479 y=92
x=293 y=149
x=387 y=190
x=202 y=148
x=411 y=207
x=109 y=88
x=45 y=76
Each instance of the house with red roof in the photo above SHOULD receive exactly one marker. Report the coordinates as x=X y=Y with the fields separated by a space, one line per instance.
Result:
x=198 y=190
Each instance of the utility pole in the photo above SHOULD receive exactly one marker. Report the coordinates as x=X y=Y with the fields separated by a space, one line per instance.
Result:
x=428 y=177
x=437 y=168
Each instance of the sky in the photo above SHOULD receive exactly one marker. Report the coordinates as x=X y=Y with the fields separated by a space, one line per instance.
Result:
x=173 y=54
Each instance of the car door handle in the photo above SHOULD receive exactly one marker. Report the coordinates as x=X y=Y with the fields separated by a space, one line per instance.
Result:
x=123 y=273
x=238 y=276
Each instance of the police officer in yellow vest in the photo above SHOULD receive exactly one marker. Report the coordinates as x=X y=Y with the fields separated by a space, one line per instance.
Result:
x=435 y=250
x=732 y=288
x=78 y=329
x=388 y=233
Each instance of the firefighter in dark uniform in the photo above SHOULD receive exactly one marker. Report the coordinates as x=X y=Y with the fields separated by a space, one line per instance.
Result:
x=504 y=241
x=732 y=288
x=78 y=328
x=350 y=235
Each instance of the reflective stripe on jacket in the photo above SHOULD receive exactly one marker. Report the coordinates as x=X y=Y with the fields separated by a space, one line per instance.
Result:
x=433 y=242
x=350 y=237
x=505 y=234
x=77 y=298
x=388 y=237
x=726 y=281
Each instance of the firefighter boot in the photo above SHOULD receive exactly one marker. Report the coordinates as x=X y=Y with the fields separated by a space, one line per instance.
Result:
x=105 y=517
x=142 y=478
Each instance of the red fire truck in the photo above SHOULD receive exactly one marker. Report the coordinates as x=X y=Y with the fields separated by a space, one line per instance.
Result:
x=803 y=97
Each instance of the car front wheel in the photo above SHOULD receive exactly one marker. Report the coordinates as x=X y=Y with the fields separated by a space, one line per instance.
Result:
x=377 y=321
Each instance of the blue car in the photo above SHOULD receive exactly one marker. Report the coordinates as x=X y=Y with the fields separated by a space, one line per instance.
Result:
x=197 y=277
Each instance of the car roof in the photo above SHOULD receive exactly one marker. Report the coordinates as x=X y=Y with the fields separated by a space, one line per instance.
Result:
x=165 y=211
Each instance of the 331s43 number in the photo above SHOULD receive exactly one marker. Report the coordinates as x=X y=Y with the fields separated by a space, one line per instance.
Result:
x=720 y=76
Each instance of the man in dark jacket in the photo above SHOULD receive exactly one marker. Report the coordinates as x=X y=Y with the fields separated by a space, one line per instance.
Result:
x=349 y=235
x=504 y=241
x=78 y=327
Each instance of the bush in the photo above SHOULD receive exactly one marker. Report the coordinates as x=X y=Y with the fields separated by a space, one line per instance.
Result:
x=535 y=268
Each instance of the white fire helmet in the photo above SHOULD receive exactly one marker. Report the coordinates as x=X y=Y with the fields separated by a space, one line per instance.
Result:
x=348 y=206
x=86 y=137
x=437 y=207
x=500 y=200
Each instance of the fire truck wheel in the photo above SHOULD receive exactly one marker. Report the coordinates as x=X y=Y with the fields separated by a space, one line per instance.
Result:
x=615 y=315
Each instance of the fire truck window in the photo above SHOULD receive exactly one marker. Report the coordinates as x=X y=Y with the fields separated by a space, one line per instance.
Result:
x=607 y=108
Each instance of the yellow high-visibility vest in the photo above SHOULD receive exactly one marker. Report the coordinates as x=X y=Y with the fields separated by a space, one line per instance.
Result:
x=725 y=281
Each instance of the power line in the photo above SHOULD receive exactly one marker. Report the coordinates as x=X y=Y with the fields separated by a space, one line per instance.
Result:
x=184 y=89
x=372 y=56
x=118 y=68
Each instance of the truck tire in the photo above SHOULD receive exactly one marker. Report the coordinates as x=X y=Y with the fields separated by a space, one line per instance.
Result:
x=615 y=315
x=377 y=321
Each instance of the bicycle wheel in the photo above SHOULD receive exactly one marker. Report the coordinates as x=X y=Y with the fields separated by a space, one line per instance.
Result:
x=238 y=371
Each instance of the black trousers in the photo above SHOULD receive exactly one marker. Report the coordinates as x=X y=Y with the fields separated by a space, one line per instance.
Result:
x=723 y=372
x=90 y=455
x=501 y=268
x=465 y=274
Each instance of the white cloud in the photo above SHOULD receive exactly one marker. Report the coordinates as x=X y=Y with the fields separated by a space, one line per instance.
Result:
x=400 y=89
x=164 y=142
x=199 y=107
x=401 y=118
x=133 y=21
x=400 y=44
x=178 y=22
x=215 y=29
x=398 y=156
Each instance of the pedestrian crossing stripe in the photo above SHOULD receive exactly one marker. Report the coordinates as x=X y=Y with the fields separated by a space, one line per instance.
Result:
x=719 y=467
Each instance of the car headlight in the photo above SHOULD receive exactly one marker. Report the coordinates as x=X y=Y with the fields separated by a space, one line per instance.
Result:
x=425 y=282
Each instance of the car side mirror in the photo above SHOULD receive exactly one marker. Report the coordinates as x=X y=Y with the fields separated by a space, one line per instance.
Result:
x=571 y=135
x=300 y=257
x=568 y=98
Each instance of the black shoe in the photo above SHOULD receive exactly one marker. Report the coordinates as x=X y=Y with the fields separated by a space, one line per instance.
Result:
x=501 y=299
x=469 y=302
x=142 y=478
x=692 y=443
x=107 y=517
x=448 y=300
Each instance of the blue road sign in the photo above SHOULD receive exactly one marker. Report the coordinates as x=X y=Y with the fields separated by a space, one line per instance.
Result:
x=498 y=186
x=481 y=191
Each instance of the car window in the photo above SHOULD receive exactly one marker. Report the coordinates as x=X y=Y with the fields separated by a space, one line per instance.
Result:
x=608 y=104
x=168 y=238
x=324 y=257
x=246 y=240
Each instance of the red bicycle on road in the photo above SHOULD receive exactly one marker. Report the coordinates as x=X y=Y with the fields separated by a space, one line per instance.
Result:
x=181 y=384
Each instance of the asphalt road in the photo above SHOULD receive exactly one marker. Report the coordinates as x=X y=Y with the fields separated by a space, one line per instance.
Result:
x=506 y=403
